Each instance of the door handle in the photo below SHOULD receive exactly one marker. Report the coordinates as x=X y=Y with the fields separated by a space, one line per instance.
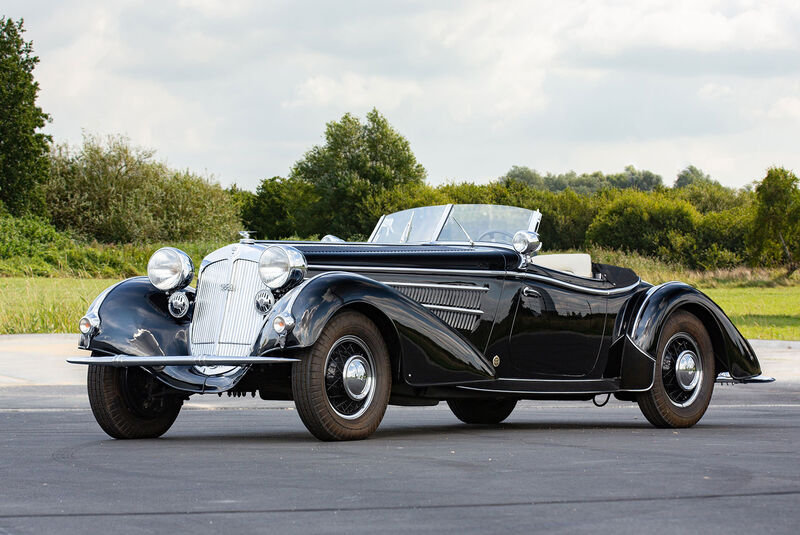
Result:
x=530 y=292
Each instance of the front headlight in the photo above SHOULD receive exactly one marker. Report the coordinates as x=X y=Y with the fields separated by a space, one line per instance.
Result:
x=281 y=266
x=170 y=269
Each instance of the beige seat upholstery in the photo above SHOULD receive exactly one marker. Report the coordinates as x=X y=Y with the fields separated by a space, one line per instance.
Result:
x=577 y=264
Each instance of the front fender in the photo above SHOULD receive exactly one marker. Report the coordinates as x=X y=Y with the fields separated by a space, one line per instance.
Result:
x=649 y=310
x=430 y=352
x=135 y=320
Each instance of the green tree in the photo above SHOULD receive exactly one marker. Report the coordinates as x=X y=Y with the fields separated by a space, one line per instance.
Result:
x=269 y=211
x=777 y=219
x=113 y=192
x=23 y=150
x=633 y=178
x=526 y=175
x=357 y=160
x=692 y=175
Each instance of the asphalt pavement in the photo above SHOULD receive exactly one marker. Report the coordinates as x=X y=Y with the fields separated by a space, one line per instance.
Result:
x=249 y=466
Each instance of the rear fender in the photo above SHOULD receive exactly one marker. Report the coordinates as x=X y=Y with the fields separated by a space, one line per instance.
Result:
x=643 y=317
x=430 y=352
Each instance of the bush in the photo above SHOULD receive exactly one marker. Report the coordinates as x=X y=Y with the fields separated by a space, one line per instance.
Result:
x=29 y=236
x=712 y=196
x=113 y=192
x=649 y=224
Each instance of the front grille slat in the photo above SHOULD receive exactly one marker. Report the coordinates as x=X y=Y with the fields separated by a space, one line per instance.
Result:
x=226 y=322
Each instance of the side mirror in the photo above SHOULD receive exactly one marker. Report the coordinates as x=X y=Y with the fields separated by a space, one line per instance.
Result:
x=527 y=242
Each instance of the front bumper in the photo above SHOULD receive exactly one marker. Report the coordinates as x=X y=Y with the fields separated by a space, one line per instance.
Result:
x=122 y=361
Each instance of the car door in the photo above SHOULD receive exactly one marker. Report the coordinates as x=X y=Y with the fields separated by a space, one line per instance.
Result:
x=556 y=332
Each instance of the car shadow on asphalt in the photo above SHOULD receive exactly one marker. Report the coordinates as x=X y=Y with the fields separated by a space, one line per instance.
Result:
x=506 y=430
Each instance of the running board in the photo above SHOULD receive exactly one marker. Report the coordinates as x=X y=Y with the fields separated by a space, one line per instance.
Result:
x=122 y=361
x=726 y=379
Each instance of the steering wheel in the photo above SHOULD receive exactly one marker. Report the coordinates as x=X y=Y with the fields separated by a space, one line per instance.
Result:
x=502 y=233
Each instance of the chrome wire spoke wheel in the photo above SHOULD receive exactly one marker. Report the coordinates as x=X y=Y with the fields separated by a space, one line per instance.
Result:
x=684 y=374
x=341 y=385
x=349 y=377
x=681 y=370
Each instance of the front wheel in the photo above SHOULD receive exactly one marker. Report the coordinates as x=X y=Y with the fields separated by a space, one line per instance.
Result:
x=684 y=374
x=131 y=403
x=482 y=411
x=341 y=386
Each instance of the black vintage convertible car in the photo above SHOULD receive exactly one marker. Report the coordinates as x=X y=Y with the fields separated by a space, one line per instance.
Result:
x=442 y=303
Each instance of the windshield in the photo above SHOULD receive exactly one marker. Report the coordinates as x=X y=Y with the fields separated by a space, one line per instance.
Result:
x=410 y=226
x=464 y=223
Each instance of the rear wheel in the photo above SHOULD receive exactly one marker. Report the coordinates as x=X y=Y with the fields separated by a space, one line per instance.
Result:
x=131 y=403
x=341 y=386
x=482 y=411
x=684 y=374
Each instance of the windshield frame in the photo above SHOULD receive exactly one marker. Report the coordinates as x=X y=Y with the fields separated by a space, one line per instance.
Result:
x=533 y=225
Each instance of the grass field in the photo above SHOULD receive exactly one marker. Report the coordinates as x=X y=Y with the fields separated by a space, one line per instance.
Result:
x=41 y=305
x=765 y=313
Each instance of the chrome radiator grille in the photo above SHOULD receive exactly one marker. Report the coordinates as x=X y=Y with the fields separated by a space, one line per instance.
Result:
x=225 y=320
x=457 y=305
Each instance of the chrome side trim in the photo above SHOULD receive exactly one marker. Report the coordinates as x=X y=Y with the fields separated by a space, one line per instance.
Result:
x=383 y=269
x=121 y=361
x=453 y=309
x=605 y=391
x=435 y=271
x=438 y=286
x=577 y=288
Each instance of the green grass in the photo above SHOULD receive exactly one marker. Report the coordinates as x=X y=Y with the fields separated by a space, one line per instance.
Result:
x=41 y=305
x=765 y=313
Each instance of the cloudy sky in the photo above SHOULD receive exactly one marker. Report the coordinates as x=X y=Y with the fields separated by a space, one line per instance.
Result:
x=240 y=89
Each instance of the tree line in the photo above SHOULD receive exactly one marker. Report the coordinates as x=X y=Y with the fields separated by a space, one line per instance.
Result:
x=109 y=191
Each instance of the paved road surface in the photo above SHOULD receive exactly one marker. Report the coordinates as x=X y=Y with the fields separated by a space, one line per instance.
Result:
x=244 y=466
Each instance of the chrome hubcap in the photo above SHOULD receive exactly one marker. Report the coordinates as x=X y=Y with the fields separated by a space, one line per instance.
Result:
x=349 y=377
x=356 y=378
x=686 y=370
x=681 y=370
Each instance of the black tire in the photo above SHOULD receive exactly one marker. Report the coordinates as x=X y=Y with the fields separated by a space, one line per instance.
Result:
x=482 y=411
x=130 y=403
x=323 y=403
x=668 y=404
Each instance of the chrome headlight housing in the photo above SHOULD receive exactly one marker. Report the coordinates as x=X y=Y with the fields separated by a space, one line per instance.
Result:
x=170 y=269
x=281 y=266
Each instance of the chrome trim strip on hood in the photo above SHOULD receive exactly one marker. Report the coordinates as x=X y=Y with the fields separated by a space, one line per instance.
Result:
x=437 y=271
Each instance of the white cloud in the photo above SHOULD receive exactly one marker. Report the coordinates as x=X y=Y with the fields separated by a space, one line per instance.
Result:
x=244 y=88
x=712 y=91
x=786 y=108
x=353 y=91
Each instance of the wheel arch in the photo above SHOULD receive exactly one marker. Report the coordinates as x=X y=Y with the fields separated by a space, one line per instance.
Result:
x=713 y=329
x=387 y=329
x=732 y=352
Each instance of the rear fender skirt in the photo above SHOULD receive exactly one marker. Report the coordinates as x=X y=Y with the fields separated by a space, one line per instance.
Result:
x=643 y=317
x=431 y=353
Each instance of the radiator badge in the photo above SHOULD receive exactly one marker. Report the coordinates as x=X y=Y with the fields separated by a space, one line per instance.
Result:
x=264 y=301
x=226 y=287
